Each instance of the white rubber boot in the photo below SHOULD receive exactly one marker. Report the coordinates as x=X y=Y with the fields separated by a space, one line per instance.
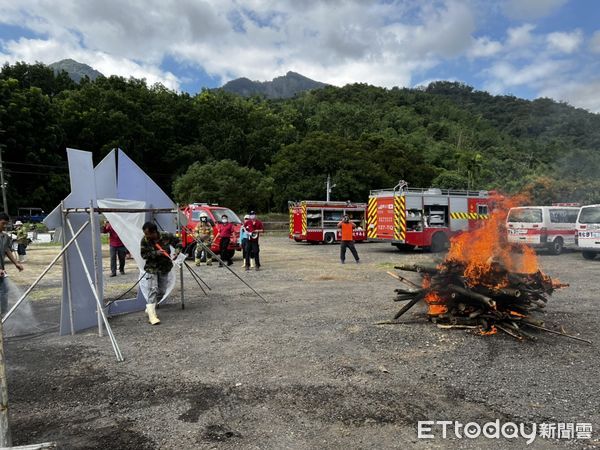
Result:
x=252 y=262
x=151 y=311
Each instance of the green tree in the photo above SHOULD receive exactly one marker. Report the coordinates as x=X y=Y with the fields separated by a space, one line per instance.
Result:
x=226 y=183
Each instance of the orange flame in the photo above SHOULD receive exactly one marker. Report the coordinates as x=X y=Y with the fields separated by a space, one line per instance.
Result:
x=492 y=330
x=485 y=248
x=435 y=304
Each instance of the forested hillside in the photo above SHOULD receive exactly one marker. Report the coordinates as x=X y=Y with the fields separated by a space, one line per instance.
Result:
x=258 y=153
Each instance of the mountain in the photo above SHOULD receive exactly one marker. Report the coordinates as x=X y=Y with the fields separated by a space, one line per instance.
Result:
x=76 y=70
x=287 y=86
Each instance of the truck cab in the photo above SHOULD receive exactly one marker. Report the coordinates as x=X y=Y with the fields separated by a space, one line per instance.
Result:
x=214 y=213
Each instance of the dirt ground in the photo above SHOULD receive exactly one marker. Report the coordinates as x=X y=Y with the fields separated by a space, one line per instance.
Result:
x=308 y=369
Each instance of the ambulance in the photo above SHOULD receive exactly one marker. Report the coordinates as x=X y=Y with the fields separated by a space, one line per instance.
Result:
x=547 y=227
x=588 y=231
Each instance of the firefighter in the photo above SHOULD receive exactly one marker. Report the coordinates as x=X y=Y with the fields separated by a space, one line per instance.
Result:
x=254 y=227
x=22 y=240
x=347 y=228
x=154 y=249
x=225 y=232
x=203 y=235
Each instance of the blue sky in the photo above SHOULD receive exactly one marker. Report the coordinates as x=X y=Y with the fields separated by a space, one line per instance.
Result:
x=527 y=48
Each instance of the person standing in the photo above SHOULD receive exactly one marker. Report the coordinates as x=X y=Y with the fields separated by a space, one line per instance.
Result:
x=204 y=238
x=155 y=249
x=243 y=240
x=22 y=240
x=6 y=249
x=347 y=228
x=116 y=249
x=254 y=227
x=225 y=232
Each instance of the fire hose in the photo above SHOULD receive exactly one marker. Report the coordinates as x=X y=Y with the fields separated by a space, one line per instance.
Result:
x=229 y=268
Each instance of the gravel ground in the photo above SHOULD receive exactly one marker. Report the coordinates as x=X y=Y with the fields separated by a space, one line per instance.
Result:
x=309 y=369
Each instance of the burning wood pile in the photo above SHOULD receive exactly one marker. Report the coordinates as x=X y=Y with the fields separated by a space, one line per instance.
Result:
x=484 y=284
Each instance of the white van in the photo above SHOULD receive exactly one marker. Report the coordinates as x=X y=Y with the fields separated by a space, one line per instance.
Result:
x=550 y=227
x=588 y=231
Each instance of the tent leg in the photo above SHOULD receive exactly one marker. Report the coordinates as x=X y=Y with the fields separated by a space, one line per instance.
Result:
x=66 y=268
x=94 y=230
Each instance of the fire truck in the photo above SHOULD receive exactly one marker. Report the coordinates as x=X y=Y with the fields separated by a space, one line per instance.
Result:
x=214 y=212
x=316 y=221
x=425 y=218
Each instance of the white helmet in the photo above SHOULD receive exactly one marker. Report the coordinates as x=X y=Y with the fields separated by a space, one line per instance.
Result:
x=18 y=223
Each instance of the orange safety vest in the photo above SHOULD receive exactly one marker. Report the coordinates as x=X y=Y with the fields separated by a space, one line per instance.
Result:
x=347 y=231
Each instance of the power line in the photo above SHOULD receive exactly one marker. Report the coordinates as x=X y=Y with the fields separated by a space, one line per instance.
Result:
x=33 y=173
x=35 y=165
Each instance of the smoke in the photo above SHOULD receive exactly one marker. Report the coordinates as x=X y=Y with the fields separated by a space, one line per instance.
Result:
x=22 y=321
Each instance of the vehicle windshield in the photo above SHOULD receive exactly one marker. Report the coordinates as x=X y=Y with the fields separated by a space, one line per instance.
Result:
x=525 y=215
x=218 y=212
x=590 y=215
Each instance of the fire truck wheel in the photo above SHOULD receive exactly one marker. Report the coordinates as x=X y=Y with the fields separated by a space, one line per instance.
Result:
x=439 y=243
x=588 y=255
x=556 y=247
x=329 y=238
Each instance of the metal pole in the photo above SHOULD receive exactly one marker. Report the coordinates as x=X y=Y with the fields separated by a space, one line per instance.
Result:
x=66 y=267
x=113 y=341
x=56 y=258
x=328 y=188
x=5 y=440
x=94 y=230
x=4 y=202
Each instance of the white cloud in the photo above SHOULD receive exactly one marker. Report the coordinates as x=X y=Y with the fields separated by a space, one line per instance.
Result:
x=334 y=41
x=530 y=9
x=484 y=47
x=520 y=37
x=595 y=42
x=580 y=94
x=565 y=42
x=51 y=50
x=533 y=74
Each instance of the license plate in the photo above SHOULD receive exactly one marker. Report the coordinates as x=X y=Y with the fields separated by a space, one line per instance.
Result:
x=519 y=231
x=589 y=234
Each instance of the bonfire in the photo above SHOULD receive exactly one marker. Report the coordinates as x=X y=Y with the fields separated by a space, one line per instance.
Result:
x=484 y=283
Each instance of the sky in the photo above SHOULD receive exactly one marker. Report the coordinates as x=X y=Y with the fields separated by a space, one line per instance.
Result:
x=526 y=48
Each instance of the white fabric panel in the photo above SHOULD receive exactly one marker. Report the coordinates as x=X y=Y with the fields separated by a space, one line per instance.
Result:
x=127 y=225
x=129 y=228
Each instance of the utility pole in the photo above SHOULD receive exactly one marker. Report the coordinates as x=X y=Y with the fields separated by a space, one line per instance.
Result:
x=329 y=186
x=5 y=440
x=2 y=182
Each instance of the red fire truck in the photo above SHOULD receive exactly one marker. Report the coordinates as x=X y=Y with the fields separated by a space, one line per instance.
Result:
x=426 y=218
x=316 y=221
x=214 y=213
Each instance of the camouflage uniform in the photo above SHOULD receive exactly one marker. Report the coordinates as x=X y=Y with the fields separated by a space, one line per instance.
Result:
x=203 y=233
x=158 y=265
x=22 y=242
